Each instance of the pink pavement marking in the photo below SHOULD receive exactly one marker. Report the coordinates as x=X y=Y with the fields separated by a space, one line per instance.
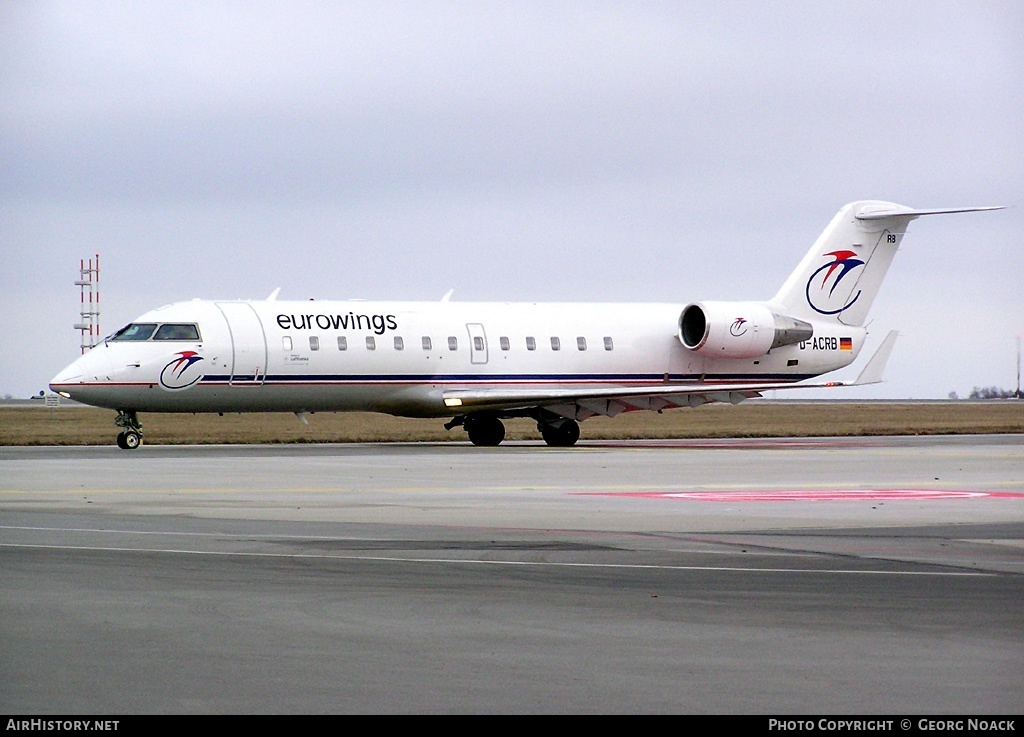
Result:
x=812 y=495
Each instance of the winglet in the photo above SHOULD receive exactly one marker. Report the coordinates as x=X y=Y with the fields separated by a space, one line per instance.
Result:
x=875 y=367
x=273 y=295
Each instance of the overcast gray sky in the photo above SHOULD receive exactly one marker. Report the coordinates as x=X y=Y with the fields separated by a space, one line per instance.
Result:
x=583 y=151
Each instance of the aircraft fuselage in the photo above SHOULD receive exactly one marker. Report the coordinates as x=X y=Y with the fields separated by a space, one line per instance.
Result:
x=401 y=357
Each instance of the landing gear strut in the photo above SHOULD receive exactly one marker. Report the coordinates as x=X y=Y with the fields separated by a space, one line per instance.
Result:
x=130 y=437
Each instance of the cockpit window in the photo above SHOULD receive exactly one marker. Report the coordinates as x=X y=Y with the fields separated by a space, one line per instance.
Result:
x=135 y=331
x=154 y=331
x=173 y=331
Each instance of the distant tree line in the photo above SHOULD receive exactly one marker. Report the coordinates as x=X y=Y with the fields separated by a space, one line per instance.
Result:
x=990 y=392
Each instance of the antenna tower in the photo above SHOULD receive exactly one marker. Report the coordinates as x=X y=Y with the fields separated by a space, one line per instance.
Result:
x=1018 y=395
x=89 y=287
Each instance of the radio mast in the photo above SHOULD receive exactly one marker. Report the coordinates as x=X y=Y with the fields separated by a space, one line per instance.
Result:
x=1018 y=395
x=89 y=288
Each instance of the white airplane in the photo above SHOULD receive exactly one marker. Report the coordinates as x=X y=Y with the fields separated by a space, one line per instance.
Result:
x=479 y=363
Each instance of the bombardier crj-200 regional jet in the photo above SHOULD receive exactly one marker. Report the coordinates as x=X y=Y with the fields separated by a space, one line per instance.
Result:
x=479 y=363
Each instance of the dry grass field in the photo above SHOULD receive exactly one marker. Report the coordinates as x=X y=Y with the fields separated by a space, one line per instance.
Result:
x=77 y=425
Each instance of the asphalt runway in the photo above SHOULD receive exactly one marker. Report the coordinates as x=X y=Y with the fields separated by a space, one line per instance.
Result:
x=853 y=576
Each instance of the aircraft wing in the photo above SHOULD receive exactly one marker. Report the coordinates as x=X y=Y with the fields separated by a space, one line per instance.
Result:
x=582 y=402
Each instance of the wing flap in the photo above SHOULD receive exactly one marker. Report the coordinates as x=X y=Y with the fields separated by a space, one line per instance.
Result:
x=608 y=401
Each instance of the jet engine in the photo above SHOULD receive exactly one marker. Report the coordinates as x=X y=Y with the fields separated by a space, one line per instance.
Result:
x=738 y=329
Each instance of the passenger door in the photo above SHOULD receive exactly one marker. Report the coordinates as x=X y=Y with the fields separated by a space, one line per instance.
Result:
x=248 y=344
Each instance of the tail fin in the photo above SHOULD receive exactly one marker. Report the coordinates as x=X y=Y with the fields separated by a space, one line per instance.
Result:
x=840 y=276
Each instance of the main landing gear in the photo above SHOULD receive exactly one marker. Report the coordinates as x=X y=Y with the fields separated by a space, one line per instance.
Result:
x=486 y=429
x=130 y=437
x=563 y=435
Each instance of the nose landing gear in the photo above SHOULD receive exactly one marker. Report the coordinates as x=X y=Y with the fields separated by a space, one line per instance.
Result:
x=130 y=437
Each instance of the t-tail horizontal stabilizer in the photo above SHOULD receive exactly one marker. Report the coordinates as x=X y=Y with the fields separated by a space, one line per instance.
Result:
x=879 y=213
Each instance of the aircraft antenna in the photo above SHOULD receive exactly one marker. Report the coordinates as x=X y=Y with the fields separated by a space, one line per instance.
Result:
x=89 y=291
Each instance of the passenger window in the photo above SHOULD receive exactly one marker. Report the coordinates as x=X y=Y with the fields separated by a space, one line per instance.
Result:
x=531 y=344
x=556 y=344
x=314 y=343
x=286 y=342
x=581 y=343
x=371 y=344
x=453 y=343
x=342 y=343
x=608 y=344
x=171 y=331
x=399 y=344
x=505 y=345
x=426 y=343
x=478 y=343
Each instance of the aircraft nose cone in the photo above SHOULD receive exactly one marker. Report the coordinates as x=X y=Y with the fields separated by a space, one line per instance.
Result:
x=71 y=374
x=89 y=367
x=68 y=373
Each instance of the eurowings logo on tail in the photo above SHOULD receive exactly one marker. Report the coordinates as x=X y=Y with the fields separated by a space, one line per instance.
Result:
x=176 y=374
x=821 y=293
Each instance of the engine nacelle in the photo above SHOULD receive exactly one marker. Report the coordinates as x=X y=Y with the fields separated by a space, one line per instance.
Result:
x=738 y=329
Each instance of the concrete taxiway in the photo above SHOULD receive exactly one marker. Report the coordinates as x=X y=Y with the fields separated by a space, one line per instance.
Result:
x=798 y=576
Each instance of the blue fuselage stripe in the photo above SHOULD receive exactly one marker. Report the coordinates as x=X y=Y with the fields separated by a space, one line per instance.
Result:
x=500 y=378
